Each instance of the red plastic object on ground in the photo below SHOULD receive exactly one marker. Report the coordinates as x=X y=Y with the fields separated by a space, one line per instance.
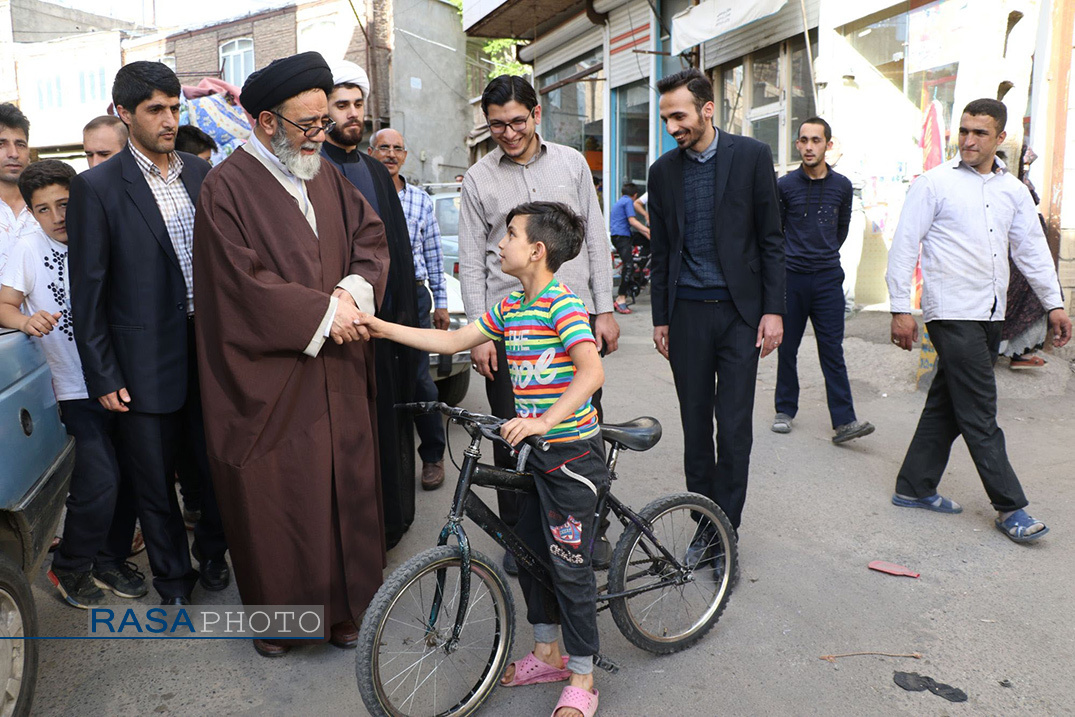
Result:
x=891 y=568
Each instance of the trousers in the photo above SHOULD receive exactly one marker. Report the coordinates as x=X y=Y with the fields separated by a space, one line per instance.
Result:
x=962 y=401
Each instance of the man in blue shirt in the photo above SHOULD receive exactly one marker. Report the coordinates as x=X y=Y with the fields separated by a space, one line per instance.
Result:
x=622 y=223
x=815 y=206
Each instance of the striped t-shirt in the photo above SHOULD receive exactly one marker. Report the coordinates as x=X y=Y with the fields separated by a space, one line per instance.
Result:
x=538 y=336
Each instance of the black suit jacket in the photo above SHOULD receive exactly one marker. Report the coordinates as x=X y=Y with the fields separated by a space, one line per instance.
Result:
x=747 y=231
x=128 y=298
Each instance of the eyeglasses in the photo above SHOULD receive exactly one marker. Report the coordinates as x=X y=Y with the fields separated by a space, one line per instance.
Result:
x=310 y=131
x=517 y=125
x=386 y=148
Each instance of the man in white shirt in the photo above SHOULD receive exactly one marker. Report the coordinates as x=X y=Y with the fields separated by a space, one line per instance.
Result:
x=966 y=215
x=15 y=218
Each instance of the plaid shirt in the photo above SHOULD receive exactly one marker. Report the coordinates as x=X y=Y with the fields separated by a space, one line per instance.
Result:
x=177 y=211
x=425 y=241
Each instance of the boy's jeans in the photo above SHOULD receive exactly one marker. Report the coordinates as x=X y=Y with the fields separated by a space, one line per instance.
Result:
x=559 y=520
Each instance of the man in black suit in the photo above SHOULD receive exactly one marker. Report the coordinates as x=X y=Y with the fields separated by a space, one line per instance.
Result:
x=131 y=224
x=717 y=277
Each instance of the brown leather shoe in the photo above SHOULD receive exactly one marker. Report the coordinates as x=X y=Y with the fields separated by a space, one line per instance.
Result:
x=344 y=635
x=267 y=648
x=432 y=475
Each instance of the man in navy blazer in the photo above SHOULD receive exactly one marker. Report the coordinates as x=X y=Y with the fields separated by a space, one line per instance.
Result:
x=717 y=278
x=130 y=222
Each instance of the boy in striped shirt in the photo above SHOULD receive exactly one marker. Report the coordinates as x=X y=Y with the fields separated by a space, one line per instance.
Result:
x=555 y=369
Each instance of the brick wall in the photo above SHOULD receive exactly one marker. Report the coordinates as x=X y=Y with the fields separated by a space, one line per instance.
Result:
x=198 y=52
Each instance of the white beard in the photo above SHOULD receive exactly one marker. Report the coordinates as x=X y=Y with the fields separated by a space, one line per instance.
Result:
x=303 y=167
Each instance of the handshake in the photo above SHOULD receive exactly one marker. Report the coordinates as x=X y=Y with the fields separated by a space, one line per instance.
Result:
x=350 y=324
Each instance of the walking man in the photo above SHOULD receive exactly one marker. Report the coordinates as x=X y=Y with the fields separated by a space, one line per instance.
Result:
x=965 y=216
x=526 y=168
x=815 y=206
x=717 y=283
x=388 y=147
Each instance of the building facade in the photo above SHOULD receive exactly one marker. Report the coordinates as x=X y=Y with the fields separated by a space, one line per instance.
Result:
x=889 y=76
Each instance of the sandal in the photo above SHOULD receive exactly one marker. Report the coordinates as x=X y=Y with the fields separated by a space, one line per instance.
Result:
x=622 y=308
x=532 y=671
x=577 y=698
x=935 y=502
x=1017 y=525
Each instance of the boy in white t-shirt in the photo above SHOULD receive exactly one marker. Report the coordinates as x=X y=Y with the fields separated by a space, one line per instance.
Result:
x=97 y=529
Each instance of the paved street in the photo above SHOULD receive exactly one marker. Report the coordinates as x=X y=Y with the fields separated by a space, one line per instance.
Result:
x=985 y=610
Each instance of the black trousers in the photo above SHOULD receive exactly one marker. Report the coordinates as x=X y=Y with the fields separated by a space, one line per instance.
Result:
x=962 y=401
x=92 y=501
x=502 y=405
x=819 y=297
x=559 y=520
x=715 y=365
x=429 y=425
x=150 y=443
x=209 y=530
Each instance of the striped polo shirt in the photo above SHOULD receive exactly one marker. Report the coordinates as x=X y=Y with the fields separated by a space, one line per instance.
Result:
x=538 y=336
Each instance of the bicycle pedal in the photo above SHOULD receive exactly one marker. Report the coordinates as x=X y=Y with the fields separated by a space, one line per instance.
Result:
x=606 y=664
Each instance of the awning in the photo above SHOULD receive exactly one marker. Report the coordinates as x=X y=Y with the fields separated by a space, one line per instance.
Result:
x=711 y=18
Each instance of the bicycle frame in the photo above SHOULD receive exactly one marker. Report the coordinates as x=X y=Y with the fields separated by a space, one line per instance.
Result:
x=466 y=504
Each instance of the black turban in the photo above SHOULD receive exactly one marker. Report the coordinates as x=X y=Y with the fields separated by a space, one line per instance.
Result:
x=283 y=79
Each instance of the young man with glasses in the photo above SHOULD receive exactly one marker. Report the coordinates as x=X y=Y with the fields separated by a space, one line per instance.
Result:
x=388 y=147
x=526 y=168
x=396 y=365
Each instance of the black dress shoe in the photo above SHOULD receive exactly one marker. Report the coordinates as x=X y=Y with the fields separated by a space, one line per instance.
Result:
x=215 y=574
x=175 y=601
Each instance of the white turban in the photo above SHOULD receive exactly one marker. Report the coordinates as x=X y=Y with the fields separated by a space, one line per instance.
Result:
x=345 y=72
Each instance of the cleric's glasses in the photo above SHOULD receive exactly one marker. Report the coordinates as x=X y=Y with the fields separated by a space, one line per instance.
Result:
x=311 y=131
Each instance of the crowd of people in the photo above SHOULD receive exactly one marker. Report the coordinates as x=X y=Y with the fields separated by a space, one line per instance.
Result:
x=248 y=328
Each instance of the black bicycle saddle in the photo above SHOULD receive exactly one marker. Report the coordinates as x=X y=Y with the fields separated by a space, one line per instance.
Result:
x=641 y=434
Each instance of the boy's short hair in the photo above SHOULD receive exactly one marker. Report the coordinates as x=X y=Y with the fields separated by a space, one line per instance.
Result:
x=990 y=107
x=135 y=83
x=554 y=225
x=13 y=118
x=106 y=121
x=44 y=174
x=629 y=189
x=189 y=138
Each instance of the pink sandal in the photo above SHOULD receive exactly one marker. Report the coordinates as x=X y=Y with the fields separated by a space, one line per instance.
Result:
x=577 y=698
x=532 y=671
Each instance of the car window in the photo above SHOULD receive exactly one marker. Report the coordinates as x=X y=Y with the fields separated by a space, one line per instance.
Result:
x=447 y=209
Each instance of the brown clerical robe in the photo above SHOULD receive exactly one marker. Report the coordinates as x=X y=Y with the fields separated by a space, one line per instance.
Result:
x=292 y=439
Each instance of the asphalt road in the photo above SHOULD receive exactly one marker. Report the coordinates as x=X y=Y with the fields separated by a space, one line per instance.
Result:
x=985 y=611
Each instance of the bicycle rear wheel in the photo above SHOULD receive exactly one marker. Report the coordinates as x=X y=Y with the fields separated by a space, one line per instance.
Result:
x=671 y=617
x=405 y=665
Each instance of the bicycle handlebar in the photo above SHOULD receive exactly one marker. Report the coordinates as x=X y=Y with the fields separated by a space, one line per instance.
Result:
x=478 y=419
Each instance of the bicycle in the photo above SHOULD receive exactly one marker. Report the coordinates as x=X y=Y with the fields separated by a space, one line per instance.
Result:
x=439 y=632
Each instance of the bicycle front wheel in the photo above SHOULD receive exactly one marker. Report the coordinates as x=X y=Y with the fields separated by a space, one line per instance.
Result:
x=408 y=663
x=675 y=606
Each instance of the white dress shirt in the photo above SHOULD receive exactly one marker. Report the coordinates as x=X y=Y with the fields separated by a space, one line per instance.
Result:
x=966 y=223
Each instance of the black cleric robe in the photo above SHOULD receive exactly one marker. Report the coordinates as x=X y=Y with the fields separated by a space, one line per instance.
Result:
x=396 y=364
